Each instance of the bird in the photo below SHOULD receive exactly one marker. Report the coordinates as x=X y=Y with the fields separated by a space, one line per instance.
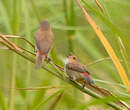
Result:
x=77 y=71
x=43 y=42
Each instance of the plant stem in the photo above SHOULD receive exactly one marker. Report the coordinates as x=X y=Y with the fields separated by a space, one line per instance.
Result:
x=15 y=28
x=35 y=10
x=107 y=46
x=12 y=83
x=70 y=21
x=66 y=79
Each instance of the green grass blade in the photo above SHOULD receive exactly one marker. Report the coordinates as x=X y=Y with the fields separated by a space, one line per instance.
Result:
x=47 y=99
x=3 y=104
x=70 y=21
x=113 y=28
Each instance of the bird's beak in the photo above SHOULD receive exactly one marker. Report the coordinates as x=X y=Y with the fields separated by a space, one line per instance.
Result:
x=72 y=60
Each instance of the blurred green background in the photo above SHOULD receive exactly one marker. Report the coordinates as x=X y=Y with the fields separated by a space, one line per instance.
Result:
x=72 y=33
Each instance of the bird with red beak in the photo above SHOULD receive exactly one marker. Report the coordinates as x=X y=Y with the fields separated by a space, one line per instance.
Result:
x=77 y=71
x=43 y=42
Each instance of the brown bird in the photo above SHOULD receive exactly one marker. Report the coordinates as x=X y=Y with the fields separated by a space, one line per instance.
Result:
x=79 y=73
x=43 y=41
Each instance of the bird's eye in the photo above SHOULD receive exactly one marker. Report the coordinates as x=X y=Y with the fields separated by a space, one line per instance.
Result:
x=74 y=58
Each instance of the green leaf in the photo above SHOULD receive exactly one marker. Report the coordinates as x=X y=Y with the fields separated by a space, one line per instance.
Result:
x=47 y=99
x=3 y=104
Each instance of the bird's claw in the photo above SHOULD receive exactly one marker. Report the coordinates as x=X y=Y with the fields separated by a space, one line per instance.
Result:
x=48 y=59
x=84 y=84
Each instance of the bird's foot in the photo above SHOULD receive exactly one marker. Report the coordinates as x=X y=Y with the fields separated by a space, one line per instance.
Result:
x=48 y=59
x=71 y=78
x=84 y=84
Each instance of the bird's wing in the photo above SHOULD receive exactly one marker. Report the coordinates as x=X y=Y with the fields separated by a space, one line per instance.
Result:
x=44 y=41
x=77 y=67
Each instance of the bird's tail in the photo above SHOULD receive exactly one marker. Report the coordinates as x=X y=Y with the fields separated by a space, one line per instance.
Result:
x=39 y=59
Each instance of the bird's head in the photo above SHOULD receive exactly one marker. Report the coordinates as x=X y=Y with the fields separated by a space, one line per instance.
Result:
x=44 y=24
x=71 y=58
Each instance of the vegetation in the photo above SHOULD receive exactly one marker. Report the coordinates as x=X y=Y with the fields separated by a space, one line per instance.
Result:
x=24 y=87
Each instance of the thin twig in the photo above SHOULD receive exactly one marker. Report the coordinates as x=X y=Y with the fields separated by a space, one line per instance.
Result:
x=28 y=51
x=107 y=46
x=99 y=60
x=100 y=6
x=19 y=37
x=57 y=68
x=39 y=88
x=66 y=79
x=12 y=44
x=55 y=102
x=29 y=58
x=85 y=90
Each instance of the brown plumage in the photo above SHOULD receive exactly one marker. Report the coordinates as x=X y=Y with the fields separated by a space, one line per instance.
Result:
x=43 y=40
x=76 y=71
x=77 y=67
